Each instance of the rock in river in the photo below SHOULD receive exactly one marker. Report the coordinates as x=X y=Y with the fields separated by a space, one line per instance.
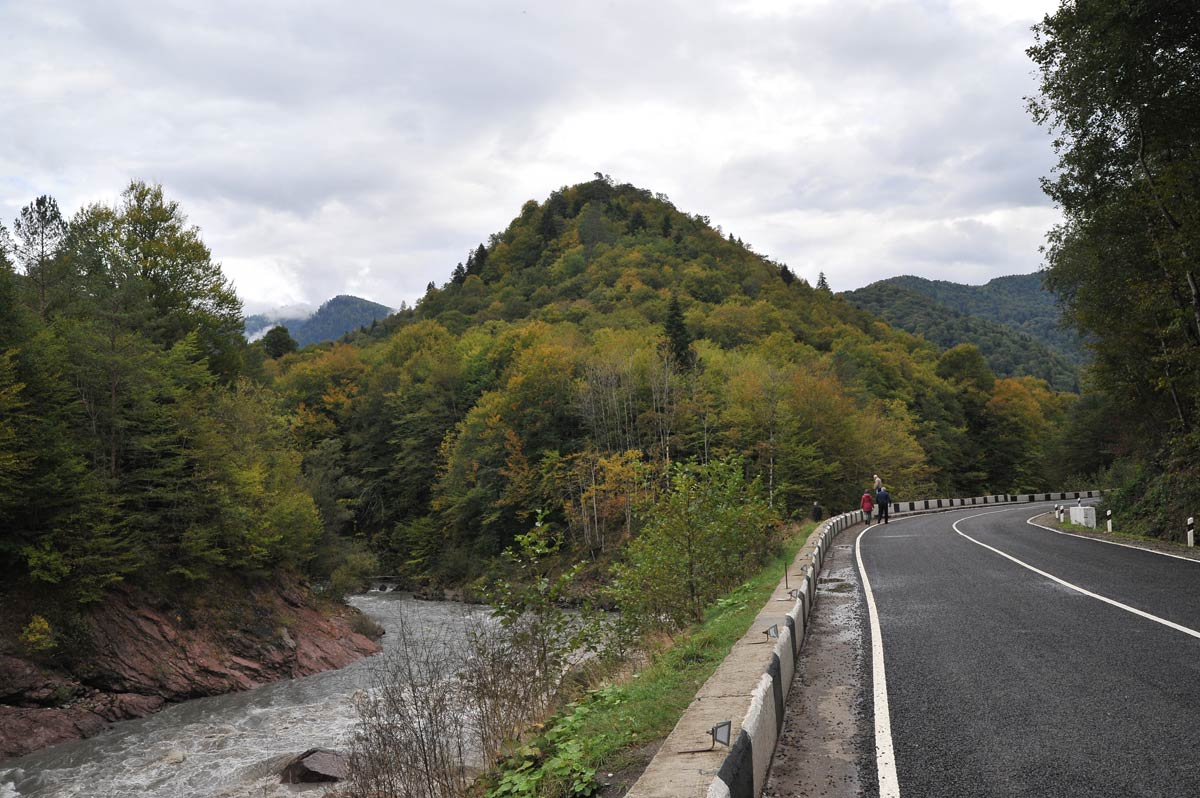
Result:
x=316 y=764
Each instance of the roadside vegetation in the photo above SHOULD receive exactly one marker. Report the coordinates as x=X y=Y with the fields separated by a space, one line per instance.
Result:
x=1118 y=93
x=552 y=701
x=620 y=716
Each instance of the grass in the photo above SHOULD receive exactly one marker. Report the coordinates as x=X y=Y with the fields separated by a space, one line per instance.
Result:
x=1100 y=530
x=609 y=728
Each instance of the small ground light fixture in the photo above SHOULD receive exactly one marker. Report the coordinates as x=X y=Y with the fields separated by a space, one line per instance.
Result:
x=772 y=633
x=794 y=593
x=719 y=734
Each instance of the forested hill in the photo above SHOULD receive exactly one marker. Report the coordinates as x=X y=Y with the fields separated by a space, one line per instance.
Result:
x=576 y=357
x=565 y=370
x=1018 y=301
x=1008 y=352
x=331 y=321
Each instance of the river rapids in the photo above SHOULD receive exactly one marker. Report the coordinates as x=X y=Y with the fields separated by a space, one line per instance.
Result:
x=229 y=746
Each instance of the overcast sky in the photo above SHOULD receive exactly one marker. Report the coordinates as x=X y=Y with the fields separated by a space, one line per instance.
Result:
x=328 y=148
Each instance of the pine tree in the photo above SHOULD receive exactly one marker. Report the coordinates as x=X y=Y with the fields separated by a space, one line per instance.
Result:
x=822 y=283
x=677 y=334
x=41 y=230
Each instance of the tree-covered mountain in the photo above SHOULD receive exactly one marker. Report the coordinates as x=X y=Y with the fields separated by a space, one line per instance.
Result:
x=1018 y=301
x=603 y=336
x=562 y=371
x=1009 y=353
x=331 y=321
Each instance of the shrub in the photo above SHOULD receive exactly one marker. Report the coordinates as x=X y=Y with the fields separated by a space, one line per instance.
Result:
x=37 y=636
x=351 y=576
x=703 y=537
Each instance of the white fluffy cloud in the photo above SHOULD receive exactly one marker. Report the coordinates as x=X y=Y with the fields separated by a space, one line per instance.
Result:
x=327 y=149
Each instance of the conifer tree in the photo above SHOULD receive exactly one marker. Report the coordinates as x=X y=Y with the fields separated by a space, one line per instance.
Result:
x=677 y=334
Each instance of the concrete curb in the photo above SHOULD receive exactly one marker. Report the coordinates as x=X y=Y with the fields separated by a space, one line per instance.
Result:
x=750 y=687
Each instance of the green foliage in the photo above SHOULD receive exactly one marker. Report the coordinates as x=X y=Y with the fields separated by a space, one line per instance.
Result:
x=530 y=605
x=278 y=342
x=37 y=637
x=1013 y=321
x=351 y=575
x=129 y=448
x=550 y=765
x=605 y=729
x=1117 y=92
x=708 y=532
x=579 y=354
x=677 y=334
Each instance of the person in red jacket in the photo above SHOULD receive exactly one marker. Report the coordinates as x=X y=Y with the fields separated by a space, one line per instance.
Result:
x=868 y=504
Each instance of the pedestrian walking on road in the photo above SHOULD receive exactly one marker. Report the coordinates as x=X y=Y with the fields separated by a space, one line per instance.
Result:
x=882 y=500
x=867 y=504
x=878 y=484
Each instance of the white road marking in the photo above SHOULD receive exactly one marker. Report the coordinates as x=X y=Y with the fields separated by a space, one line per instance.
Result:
x=885 y=757
x=1111 y=542
x=1065 y=583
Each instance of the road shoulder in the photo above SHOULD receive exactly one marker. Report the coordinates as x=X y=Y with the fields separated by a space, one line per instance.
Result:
x=825 y=748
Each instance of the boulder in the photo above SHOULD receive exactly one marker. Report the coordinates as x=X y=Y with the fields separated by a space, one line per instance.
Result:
x=315 y=765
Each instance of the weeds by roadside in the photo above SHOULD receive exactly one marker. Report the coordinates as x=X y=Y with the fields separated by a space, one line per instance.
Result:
x=608 y=729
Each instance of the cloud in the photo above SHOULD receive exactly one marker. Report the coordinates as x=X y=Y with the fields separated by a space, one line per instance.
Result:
x=327 y=150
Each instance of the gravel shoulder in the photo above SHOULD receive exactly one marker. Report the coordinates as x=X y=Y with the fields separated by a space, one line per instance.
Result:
x=825 y=748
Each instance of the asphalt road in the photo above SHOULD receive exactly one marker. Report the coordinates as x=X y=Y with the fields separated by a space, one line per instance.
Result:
x=1002 y=681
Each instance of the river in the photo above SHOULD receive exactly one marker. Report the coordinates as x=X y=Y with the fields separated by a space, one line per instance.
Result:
x=229 y=746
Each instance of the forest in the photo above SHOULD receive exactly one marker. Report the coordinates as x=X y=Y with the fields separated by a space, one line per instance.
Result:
x=1020 y=302
x=1008 y=352
x=566 y=371
x=1118 y=94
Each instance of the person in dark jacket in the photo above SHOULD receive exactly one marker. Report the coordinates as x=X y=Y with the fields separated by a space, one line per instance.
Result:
x=882 y=500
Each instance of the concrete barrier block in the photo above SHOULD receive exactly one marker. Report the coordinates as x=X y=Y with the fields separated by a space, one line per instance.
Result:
x=1085 y=516
x=671 y=773
x=737 y=675
x=718 y=789
x=787 y=658
x=760 y=724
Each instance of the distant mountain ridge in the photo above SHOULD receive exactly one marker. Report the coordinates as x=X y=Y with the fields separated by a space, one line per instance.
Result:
x=1013 y=320
x=331 y=321
x=1018 y=301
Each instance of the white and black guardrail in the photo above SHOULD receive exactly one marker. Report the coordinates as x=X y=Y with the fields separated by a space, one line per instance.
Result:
x=926 y=505
x=743 y=773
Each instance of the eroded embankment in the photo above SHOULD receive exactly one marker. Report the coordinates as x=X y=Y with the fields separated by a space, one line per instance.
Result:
x=140 y=657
